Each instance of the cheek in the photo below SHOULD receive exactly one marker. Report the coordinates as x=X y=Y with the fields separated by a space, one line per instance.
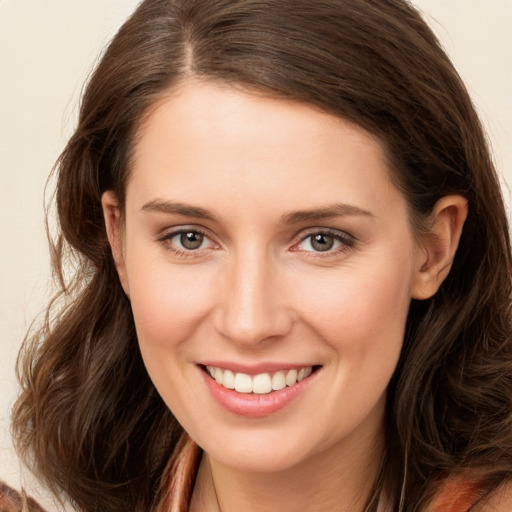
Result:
x=361 y=318
x=361 y=313
x=168 y=306
x=168 y=302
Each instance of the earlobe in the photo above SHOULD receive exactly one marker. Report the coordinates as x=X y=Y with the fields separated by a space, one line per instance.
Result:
x=113 y=225
x=437 y=249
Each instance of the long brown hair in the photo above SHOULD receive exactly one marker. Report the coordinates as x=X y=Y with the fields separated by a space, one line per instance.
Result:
x=90 y=420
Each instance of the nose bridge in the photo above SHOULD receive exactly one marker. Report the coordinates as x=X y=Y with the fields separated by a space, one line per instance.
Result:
x=251 y=308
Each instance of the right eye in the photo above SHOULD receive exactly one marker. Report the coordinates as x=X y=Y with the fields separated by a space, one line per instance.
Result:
x=186 y=241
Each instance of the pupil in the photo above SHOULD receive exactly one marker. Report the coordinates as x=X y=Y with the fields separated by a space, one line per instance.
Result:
x=191 y=240
x=322 y=242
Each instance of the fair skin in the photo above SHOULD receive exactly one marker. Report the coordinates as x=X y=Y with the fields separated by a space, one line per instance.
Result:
x=499 y=501
x=261 y=237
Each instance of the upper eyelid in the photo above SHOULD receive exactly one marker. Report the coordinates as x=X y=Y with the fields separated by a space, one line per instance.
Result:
x=348 y=242
x=304 y=234
x=169 y=232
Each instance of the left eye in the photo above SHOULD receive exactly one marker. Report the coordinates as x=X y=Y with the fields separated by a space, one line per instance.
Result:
x=321 y=242
x=189 y=240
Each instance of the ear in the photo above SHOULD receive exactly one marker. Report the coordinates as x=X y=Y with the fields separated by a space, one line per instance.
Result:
x=113 y=225
x=437 y=248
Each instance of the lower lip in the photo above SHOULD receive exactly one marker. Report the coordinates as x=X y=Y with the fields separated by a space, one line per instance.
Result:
x=253 y=405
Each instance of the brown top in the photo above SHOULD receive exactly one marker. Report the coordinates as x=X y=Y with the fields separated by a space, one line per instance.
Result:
x=179 y=478
x=178 y=483
x=12 y=501
x=457 y=496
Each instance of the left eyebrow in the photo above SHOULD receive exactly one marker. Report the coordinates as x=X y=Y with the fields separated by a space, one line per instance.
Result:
x=335 y=210
x=171 y=207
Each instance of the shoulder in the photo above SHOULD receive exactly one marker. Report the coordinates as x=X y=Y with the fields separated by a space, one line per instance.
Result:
x=12 y=501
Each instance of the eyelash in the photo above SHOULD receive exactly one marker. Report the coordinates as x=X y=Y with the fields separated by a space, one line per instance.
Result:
x=346 y=241
x=166 y=241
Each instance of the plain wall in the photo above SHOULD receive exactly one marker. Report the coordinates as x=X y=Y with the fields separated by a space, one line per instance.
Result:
x=47 y=49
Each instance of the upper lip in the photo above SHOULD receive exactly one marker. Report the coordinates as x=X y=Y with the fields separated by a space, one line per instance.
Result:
x=255 y=369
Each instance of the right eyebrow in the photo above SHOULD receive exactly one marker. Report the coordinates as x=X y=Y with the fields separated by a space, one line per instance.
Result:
x=335 y=210
x=170 y=207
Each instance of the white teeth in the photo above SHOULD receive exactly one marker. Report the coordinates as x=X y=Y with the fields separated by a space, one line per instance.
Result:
x=304 y=372
x=291 y=377
x=243 y=383
x=278 y=381
x=260 y=384
x=229 y=379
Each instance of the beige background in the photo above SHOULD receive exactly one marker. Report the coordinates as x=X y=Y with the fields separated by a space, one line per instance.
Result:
x=48 y=47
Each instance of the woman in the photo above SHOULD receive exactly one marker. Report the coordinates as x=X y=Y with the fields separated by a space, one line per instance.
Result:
x=292 y=253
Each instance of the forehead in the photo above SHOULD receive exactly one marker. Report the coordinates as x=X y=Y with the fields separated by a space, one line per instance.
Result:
x=198 y=106
x=205 y=140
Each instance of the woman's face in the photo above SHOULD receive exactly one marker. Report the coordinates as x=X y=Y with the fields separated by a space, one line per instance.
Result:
x=264 y=242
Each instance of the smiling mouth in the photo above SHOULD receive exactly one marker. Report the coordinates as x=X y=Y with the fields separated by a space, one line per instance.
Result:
x=260 y=384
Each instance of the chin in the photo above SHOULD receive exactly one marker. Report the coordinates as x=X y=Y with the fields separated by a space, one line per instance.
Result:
x=260 y=452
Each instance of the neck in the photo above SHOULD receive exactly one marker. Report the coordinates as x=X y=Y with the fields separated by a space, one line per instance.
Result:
x=340 y=478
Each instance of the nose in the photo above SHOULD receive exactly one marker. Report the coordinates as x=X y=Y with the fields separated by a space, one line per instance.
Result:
x=252 y=306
